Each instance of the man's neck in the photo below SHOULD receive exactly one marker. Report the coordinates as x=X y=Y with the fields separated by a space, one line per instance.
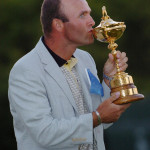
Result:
x=60 y=47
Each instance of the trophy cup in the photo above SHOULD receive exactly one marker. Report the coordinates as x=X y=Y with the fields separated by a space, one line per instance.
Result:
x=108 y=31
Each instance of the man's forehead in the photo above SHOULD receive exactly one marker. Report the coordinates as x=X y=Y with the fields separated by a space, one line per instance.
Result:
x=73 y=1
x=74 y=4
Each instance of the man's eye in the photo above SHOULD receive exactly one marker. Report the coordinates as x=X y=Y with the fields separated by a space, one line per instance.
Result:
x=83 y=15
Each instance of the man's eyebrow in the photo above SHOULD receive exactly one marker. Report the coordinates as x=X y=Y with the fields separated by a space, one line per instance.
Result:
x=85 y=11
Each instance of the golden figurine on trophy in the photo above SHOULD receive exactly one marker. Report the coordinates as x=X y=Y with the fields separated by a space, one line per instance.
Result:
x=108 y=31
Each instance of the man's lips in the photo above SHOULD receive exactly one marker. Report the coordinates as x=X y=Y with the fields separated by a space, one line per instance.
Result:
x=91 y=30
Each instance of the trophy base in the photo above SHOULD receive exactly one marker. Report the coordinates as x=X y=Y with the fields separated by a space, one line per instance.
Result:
x=129 y=99
x=123 y=83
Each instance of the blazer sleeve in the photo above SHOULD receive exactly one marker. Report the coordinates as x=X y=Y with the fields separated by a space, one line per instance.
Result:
x=106 y=92
x=106 y=96
x=27 y=96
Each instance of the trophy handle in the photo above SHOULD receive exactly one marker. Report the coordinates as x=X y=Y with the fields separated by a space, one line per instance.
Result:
x=104 y=13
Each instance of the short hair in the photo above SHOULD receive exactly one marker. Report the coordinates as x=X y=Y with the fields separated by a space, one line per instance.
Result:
x=51 y=9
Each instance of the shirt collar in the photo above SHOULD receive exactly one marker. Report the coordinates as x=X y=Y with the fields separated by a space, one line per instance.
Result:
x=70 y=63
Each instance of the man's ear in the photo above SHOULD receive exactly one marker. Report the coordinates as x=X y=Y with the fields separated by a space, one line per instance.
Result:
x=58 y=24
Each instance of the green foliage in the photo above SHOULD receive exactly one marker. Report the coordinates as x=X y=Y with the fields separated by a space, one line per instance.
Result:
x=20 y=28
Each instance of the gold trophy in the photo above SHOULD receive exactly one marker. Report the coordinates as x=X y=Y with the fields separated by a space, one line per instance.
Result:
x=108 y=31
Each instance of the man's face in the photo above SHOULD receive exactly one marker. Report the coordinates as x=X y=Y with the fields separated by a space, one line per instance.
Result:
x=78 y=31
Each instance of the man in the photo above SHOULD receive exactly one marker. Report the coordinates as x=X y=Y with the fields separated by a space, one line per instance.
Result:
x=49 y=92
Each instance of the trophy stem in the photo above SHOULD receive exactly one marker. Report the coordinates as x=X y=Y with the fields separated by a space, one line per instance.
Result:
x=112 y=46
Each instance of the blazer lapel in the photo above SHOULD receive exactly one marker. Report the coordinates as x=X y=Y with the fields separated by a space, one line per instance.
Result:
x=55 y=72
x=85 y=85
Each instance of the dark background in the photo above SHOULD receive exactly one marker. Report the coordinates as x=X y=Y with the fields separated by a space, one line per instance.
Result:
x=20 y=30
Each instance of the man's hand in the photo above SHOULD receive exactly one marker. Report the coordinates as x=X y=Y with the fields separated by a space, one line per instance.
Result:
x=110 y=66
x=109 y=112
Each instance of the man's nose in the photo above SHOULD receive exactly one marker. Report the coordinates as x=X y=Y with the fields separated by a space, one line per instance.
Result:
x=91 y=21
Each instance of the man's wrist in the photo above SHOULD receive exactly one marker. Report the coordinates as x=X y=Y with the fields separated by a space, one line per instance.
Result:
x=96 y=118
x=107 y=79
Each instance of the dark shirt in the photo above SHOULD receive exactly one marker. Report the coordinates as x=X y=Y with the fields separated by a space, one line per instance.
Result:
x=60 y=61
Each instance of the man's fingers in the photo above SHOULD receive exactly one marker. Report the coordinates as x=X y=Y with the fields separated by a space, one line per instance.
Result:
x=122 y=62
x=120 y=57
x=111 y=58
x=124 y=106
x=123 y=68
x=114 y=96
x=123 y=55
x=127 y=105
x=120 y=54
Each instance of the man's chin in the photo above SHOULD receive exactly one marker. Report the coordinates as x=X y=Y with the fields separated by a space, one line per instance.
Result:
x=88 y=42
x=91 y=41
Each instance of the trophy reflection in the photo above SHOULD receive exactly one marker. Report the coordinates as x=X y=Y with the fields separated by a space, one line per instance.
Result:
x=108 y=31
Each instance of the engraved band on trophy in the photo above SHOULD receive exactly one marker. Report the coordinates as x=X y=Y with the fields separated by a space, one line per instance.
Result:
x=108 y=31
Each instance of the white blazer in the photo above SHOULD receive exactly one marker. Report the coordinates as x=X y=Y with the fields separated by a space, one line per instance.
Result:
x=44 y=112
